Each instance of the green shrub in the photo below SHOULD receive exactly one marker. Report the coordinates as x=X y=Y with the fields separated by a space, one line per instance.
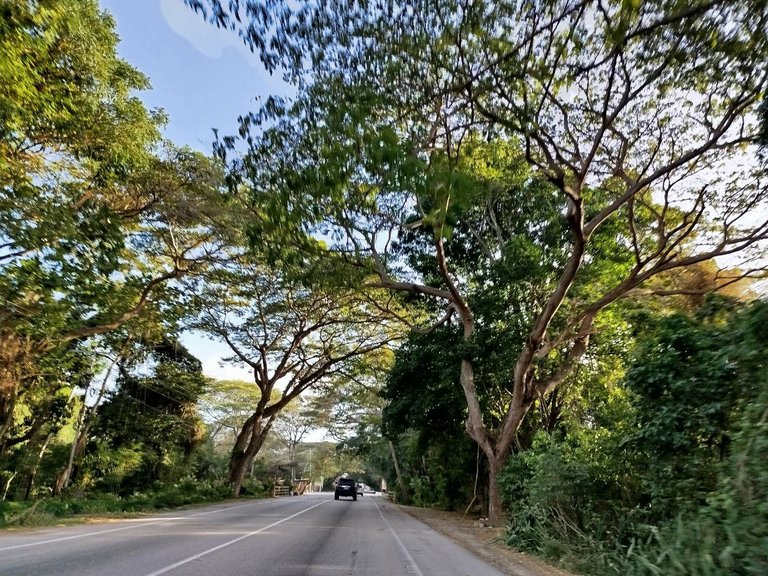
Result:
x=553 y=497
x=676 y=483
x=186 y=492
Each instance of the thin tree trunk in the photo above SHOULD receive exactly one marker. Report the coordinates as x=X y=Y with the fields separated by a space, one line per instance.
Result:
x=8 y=485
x=7 y=404
x=36 y=467
x=80 y=441
x=78 y=448
x=62 y=480
x=400 y=482
x=292 y=459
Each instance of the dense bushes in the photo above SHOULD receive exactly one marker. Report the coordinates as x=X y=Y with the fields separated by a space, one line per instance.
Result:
x=424 y=418
x=678 y=485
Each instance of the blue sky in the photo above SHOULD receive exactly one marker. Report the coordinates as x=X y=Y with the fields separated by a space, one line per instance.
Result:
x=203 y=78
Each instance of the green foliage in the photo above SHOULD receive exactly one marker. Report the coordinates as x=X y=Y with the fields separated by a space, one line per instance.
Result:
x=225 y=406
x=423 y=398
x=74 y=138
x=571 y=494
x=439 y=470
x=96 y=217
x=187 y=491
x=65 y=91
x=421 y=387
x=407 y=122
x=691 y=379
x=671 y=481
x=99 y=217
x=149 y=426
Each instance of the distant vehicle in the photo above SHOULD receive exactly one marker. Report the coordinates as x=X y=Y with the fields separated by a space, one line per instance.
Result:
x=345 y=487
x=359 y=488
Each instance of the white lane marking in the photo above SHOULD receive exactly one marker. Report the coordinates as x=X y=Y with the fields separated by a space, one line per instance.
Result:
x=223 y=509
x=408 y=556
x=99 y=532
x=236 y=540
x=76 y=536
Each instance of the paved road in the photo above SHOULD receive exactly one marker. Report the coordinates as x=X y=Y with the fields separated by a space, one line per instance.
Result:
x=310 y=535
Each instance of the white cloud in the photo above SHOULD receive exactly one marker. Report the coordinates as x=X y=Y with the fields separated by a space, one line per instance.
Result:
x=207 y=39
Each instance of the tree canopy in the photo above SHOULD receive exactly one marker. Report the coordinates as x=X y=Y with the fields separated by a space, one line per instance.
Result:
x=639 y=119
x=484 y=237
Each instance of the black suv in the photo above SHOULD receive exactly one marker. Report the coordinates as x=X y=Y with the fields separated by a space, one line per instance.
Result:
x=346 y=487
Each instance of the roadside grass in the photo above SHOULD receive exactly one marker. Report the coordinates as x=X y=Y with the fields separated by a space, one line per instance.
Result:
x=75 y=509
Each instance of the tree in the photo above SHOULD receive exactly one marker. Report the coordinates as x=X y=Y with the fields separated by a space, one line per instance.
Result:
x=97 y=214
x=692 y=379
x=293 y=338
x=423 y=420
x=639 y=116
x=292 y=425
x=65 y=307
x=154 y=414
x=86 y=416
x=350 y=403
x=225 y=407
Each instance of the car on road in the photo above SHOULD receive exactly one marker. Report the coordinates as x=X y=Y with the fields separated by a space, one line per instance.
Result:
x=359 y=488
x=345 y=487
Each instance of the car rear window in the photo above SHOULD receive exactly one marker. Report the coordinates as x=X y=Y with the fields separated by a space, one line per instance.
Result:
x=347 y=481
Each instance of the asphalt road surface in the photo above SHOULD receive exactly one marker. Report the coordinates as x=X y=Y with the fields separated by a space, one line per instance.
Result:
x=310 y=535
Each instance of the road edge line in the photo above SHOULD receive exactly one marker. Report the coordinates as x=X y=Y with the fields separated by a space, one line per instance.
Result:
x=408 y=556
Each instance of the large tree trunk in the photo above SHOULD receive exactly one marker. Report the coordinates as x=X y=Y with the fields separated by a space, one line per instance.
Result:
x=249 y=441
x=238 y=466
x=495 y=506
x=496 y=449
x=238 y=463
x=496 y=446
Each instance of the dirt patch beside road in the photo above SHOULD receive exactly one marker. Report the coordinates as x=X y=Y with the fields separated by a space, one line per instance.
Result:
x=486 y=543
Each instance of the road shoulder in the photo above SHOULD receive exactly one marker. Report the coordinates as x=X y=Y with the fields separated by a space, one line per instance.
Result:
x=486 y=543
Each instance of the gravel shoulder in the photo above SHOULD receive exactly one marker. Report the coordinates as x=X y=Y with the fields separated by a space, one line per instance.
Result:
x=485 y=542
